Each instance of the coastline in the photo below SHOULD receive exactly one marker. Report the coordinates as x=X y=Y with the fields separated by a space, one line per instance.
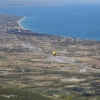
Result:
x=19 y=23
x=21 y=27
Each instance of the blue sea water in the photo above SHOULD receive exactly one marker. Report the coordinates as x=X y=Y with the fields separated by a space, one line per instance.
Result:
x=78 y=21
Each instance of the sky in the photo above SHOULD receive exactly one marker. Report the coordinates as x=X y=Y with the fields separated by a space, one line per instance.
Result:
x=82 y=1
x=45 y=2
x=59 y=1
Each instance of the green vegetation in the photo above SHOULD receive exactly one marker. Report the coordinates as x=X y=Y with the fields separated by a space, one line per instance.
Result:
x=51 y=92
x=19 y=94
x=79 y=97
x=3 y=58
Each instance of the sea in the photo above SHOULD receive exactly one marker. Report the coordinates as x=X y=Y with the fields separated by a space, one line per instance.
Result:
x=72 y=21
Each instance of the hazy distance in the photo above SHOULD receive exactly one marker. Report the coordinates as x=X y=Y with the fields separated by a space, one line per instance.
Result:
x=45 y=2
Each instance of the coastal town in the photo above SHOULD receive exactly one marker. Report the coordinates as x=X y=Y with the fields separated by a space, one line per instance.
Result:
x=26 y=61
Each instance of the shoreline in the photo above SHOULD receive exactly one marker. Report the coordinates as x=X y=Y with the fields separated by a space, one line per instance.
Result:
x=19 y=23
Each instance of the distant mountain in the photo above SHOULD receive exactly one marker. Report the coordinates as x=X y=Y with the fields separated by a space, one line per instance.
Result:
x=45 y=2
x=32 y=2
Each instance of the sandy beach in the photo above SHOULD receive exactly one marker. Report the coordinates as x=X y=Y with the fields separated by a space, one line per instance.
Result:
x=20 y=24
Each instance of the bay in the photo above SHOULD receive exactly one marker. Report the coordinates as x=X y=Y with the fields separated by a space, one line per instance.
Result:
x=76 y=21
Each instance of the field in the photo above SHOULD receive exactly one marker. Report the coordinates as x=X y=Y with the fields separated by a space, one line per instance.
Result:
x=26 y=62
